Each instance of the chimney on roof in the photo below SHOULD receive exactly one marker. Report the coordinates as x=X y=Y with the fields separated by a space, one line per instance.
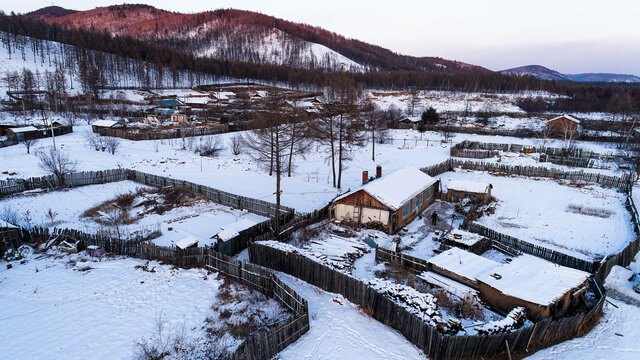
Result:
x=365 y=177
x=378 y=172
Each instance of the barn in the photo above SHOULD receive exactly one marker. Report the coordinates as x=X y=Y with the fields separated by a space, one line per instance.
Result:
x=477 y=192
x=563 y=123
x=9 y=236
x=387 y=202
x=106 y=124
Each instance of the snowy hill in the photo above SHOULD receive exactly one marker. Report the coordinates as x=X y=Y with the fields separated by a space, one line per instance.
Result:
x=544 y=73
x=248 y=36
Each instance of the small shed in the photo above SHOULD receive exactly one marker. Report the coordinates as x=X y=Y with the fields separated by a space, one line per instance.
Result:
x=106 y=124
x=563 y=123
x=23 y=133
x=228 y=232
x=187 y=242
x=477 y=192
x=387 y=202
x=469 y=241
x=179 y=118
x=9 y=236
x=461 y=265
x=544 y=288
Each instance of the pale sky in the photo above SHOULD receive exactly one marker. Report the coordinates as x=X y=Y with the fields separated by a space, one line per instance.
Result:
x=566 y=35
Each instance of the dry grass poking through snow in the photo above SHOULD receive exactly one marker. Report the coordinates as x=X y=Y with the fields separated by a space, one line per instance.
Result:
x=589 y=211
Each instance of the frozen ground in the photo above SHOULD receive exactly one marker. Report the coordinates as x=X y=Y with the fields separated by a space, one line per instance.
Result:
x=96 y=309
x=201 y=219
x=583 y=221
x=339 y=330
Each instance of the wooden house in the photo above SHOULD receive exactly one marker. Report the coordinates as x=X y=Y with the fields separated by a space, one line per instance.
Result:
x=98 y=125
x=23 y=133
x=388 y=202
x=178 y=117
x=477 y=192
x=563 y=123
x=542 y=287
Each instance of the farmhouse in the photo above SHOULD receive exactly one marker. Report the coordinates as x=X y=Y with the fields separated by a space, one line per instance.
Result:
x=544 y=288
x=106 y=124
x=563 y=123
x=388 y=202
x=477 y=192
x=23 y=133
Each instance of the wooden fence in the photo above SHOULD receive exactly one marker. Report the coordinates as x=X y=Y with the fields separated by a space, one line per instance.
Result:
x=521 y=246
x=403 y=260
x=164 y=134
x=436 y=345
x=12 y=186
x=621 y=182
x=260 y=346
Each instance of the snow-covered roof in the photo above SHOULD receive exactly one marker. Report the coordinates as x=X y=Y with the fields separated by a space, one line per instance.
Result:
x=534 y=280
x=197 y=100
x=565 y=116
x=23 y=129
x=105 y=123
x=463 y=263
x=464 y=237
x=186 y=242
x=468 y=186
x=232 y=230
x=4 y=224
x=397 y=188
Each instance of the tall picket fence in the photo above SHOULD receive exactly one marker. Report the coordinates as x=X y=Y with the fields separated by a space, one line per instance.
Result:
x=436 y=345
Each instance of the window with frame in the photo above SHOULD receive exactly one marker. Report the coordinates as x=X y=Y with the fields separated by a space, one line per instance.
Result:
x=427 y=194
x=417 y=202
x=406 y=209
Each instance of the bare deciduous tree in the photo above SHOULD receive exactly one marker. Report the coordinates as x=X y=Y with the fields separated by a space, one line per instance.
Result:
x=237 y=145
x=57 y=163
x=29 y=144
x=209 y=146
x=112 y=144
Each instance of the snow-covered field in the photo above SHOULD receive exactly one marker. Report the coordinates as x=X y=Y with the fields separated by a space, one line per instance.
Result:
x=200 y=219
x=52 y=308
x=584 y=221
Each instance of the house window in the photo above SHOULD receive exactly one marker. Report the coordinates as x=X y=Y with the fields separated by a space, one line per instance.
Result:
x=406 y=209
x=427 y=194
x=332 y=214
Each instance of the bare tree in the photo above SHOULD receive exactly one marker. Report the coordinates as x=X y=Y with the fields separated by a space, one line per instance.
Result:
x=57 y=163
x=29 y=144
x=270 y=145
x=95 y=141
x=112 y=144
x=340 y=127
x=414 y=99
x=375 y=124
x=210 y=146
x=238 y=146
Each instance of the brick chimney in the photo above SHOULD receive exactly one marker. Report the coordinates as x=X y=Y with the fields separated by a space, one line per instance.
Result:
x=378 y=172
x=365 y=177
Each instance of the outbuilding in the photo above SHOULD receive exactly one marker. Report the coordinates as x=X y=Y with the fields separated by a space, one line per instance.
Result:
x=462 y=266
x=563 y=123
x=106 y=124
x=477 y=192
x=388 y=202
x=23 y=133
x=544 y=288
x=9 y=236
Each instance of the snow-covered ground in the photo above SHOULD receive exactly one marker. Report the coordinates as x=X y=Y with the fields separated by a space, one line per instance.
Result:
x=615 y=337
x=200 y=218
x=339 y=330
x=52 y=307
x=583 y=221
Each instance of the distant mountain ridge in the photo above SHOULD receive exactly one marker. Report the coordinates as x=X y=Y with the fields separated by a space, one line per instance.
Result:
x=544 y=73
x=246 y=36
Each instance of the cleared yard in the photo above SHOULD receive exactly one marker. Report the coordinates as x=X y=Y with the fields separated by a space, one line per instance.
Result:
x=199 y=217
x=582 y=220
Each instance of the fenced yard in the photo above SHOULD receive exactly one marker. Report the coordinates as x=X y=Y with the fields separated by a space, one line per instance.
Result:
x=436 y=345
x=177 y=133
